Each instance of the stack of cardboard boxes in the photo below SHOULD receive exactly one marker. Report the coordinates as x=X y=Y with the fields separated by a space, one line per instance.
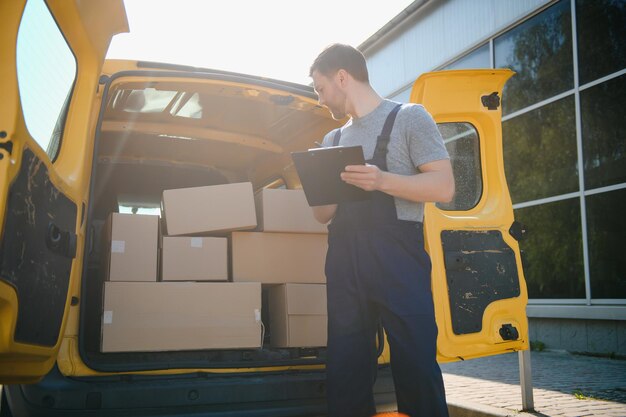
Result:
x=193 y=301
x=289 y=251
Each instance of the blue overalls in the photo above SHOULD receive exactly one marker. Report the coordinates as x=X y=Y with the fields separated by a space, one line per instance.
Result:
x=377 y=269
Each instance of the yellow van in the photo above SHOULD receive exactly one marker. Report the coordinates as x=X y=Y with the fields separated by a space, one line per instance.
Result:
x=81 y=138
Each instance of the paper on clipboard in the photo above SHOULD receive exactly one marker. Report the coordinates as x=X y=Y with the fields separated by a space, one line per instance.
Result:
x=319 y=171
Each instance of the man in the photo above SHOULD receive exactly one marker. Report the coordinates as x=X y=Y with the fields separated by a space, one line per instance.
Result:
x=376 y=266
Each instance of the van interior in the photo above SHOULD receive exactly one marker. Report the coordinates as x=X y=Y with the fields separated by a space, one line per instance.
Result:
x=164 y=131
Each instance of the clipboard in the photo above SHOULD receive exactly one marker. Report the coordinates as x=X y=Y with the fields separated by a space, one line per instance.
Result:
x=319 y=171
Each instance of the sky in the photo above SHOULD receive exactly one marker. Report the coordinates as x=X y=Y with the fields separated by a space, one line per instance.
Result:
x=275 y=38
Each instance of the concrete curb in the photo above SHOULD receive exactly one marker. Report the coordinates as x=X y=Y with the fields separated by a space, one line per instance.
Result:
x=469 y=409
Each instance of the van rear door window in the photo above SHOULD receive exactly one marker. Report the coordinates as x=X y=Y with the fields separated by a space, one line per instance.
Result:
x=462 y=143
x=46 y=71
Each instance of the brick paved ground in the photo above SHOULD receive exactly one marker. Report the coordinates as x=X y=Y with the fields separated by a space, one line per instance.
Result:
x=565 y=385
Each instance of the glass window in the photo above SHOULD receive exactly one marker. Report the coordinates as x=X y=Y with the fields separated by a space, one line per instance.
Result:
x=462 y=143
x=478 y=58
x=46 y=70
x=148 y=100
x=188 y=106
x=606 y=229
x=137 y=204
x=139 y=210
x=540 y=52
x=552 y=254
x=601 y=26
x=540 y=155
x=153 y=100
x=603 y=133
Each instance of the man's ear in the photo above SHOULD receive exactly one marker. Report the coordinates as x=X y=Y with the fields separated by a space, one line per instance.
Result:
x=342 y=77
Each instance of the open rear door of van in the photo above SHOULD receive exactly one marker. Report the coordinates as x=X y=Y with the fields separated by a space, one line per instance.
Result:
x=478 y=284
x=51 y=53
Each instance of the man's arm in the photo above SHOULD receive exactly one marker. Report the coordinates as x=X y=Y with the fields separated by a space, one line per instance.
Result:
x=323 y=214
x=434 y=183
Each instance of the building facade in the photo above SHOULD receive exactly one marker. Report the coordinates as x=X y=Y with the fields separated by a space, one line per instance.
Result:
x=564 y=141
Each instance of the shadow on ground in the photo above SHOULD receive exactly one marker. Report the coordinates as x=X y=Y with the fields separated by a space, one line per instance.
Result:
x=585 y=377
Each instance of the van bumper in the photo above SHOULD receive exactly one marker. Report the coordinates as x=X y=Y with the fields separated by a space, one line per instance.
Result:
x=292 y=393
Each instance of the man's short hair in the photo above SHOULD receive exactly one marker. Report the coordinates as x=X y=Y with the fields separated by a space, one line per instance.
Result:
x=339 y=56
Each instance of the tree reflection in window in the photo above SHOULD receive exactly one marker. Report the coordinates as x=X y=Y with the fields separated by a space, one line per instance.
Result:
x=540 y=52
x=552 y=254
x=603 y=132
x=606 y=227
x=540 y=155
x=601 y=27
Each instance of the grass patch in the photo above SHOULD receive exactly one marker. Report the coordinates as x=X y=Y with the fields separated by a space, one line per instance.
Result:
x=580 y=395
x=537 y=345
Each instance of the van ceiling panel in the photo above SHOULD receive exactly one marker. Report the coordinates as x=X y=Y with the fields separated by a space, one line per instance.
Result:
x=221 y=155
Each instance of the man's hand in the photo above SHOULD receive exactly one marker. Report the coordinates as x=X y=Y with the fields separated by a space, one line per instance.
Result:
x=434 y=182
x=368 y=177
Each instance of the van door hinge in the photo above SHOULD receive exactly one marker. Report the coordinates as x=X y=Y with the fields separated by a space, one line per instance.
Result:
x=518 y=231
x=509 y=332
x=492 y=101
x=8 y=146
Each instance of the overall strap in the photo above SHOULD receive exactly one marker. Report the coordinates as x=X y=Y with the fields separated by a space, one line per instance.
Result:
x=383 y=138
x=387 y=127
x=337 y=137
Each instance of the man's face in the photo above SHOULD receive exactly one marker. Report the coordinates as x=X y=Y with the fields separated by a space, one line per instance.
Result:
x=330 y=94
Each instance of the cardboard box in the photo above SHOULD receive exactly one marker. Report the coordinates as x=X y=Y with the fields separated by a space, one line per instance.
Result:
x=211 y=209
x=276 y=258
x=280 y=210
x=194 y=258
x=164 y=316
x=131 y=242
x=298 y=315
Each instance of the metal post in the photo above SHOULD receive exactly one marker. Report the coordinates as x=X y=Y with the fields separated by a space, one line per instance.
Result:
x=526 y=381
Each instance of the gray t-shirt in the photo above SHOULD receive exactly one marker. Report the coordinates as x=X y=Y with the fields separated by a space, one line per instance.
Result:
x=415 y=140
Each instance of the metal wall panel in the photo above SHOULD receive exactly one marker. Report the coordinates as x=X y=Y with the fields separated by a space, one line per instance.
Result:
x=440 y=31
